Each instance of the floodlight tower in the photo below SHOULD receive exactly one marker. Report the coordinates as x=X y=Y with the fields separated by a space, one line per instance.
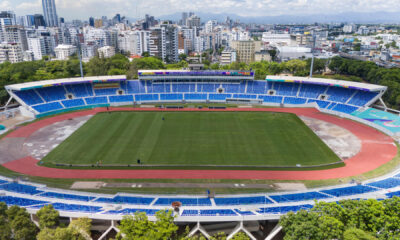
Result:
x=312 y=56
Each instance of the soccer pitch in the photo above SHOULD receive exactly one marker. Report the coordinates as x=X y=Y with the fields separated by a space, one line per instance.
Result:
x=194 y=139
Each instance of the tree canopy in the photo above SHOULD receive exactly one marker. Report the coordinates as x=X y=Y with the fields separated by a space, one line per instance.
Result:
x=347 y=219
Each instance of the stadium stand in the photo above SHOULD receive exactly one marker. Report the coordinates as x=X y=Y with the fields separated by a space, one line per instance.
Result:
x=242 y=200
x=184 y=201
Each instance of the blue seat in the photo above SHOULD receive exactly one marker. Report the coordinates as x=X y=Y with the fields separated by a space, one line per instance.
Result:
x=284 y=209
x=184 y=201
x=171 y=96
x=386 y=183
x=271 y=99
x=347 y=191
x=341 y=95
x=22 y=202
x=51 y=94
x=293 y=100
x=80 y=90
x=126 y=200
x=20 y=188
x=121 y=98
x=219 y=96
x=297 y=197
x=361 y=98
x=30 y=97
x=67 y=196
x=242 y=200
x=146 y=97
x=96 y=100
x=195 y=96
x=73 y=103
x=48 y=107
x=344 y=108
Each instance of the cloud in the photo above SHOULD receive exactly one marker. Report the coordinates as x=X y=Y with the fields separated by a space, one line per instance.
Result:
x=83 y=9
x=5 y=5
x=32 y=7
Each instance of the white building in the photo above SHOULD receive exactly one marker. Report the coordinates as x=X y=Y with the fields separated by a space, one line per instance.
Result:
x=63 y=52
x=11 y=52
x=350 y=28
x=210 y=25
x=128 y=42
x=277 y=39
x=106 y=51
x=228 y=56
x=38 y=47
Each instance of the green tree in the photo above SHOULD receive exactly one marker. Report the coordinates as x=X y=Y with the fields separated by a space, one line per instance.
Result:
x=138 y=227
x=48 y=217
x=240 y=236
x=182 y=57
x=357 y=234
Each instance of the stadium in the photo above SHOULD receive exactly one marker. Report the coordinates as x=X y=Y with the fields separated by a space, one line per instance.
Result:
x=185 y=124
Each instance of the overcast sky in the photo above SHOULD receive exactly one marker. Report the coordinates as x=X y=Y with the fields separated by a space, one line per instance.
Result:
x=81 y=9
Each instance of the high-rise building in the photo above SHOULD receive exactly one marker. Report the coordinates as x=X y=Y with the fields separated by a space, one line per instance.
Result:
x=193 y=21
x=210 y=25
x=91 y=21
x=39 y=20
x=63 y=52
x=50 y=13
x=37 y=46
x=184 y=17
x=164 y=42
x=11 y=52
x=246 y=50
x=106 y=51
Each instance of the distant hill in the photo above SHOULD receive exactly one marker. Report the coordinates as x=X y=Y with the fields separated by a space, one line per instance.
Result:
x=353 y=17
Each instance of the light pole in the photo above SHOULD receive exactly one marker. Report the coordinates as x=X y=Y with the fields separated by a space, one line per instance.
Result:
x=312 y=58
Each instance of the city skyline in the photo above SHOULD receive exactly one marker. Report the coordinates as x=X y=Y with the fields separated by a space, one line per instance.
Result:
x=244 y=8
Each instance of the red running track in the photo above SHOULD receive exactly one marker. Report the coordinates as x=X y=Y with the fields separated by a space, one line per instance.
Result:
x=376 y=149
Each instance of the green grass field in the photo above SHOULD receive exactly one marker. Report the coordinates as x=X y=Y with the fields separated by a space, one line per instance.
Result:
x=194 y=138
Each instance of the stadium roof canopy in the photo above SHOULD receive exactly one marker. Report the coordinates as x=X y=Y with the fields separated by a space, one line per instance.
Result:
x=64 y=81
x=329 y=82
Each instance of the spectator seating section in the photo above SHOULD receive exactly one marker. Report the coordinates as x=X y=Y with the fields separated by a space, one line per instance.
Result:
x=121 y=98
x=50 y=94
x=96 y=100
x=347 y=191
x=22 y=202
x=20 y=188
x=242 y=200
x=343 y=100
x=105 y=91
x=48 y=107
x=30 y=97
x=127 y=200
x=386 y=183
x=67 y=196
x=73 y=103
x=294 y=100
x=340 y=95
x=80 y=90
x=217 y=212
x=184 y=201
x=297 y=197
x=361 y=98
x=131 y=211
x=284 y=209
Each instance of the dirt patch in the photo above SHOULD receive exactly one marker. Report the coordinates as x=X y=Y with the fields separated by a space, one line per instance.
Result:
x=188 y=185
x=290 y=186
x=87 y=185
x=11 y=149
x=40 y=143
x=340 y=140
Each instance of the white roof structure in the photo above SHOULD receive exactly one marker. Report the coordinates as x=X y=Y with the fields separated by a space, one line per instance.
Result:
x=58 y=82
x=330 y=82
